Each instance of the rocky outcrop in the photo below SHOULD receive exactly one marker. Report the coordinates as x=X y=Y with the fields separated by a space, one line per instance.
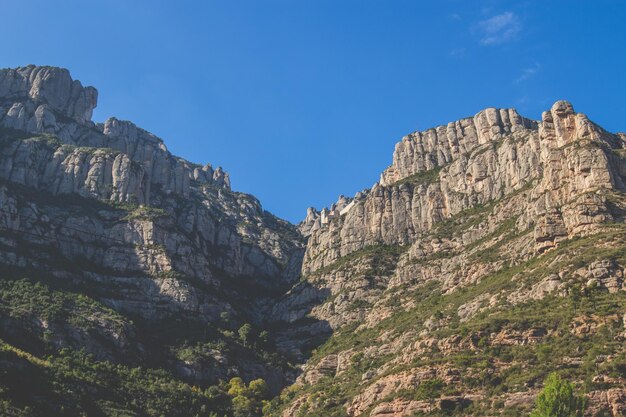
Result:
x=436 y=147
x=91 y=172
x=421 y=281
x=106 y=206
x=444 y=261
x=37 y=93
x=605 y=273
x=119 y=162
x=171 y=173
x=540 y=184
x=613 y=400
x=312 y=219
x=439 y=173
x=46 y=100
x=578 y=159
x=326 y=367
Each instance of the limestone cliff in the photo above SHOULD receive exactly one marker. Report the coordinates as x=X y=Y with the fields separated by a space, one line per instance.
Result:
x=438 y=173
x=105 y=206
x=45 y=100
x=489 y=254
x=475 y=264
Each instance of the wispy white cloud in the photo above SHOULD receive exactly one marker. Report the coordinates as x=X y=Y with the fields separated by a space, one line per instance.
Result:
x=499 y=29
x=454 y=16
x=528 y=72
x=457 y=53
x=527 y=103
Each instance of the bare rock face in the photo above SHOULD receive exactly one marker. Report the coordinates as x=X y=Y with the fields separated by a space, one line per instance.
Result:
x=90 y=172
x=106 y=206
x=311 y=222
x=607 y=274
x=326 y=367
x=38 y=92
x=438 y=173
x=550 y=177
x=424 y=151
x=49 y=142
x=471 y=221
x=400 y=408
x=579 y=162
x=416 y=279
x=119 y=162
x=46 y=101
x=162 y=169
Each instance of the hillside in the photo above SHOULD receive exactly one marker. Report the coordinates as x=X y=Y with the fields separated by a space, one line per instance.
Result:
x=490 y=254
x=136 y=283
x=116 y=249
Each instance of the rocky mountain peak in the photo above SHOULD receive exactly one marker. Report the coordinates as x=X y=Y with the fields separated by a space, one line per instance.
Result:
x=491 y=246
x=115 y=128
x=562 y=125
x=158 y=238
x=439 y=172
x=47 y=101
x=48 y=89
x=435 y=147
x=480 y=238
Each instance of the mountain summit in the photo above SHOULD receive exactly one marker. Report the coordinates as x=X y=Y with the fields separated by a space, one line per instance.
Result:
x=490 y=254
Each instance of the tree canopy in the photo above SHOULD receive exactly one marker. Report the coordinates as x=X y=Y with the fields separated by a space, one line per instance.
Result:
x=557 y=399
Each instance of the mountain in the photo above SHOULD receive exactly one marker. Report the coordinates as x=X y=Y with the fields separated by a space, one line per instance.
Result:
x=490 y=253
x=114 y=246
x=136 y=283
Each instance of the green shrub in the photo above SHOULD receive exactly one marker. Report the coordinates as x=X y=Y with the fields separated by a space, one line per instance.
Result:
x=557 y=399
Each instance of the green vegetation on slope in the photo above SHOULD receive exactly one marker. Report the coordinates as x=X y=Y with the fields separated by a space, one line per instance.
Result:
x=484 y=350
x=46 y=370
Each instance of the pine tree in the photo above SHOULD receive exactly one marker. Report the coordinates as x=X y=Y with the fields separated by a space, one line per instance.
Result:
x=244 y=333
x=557 y=399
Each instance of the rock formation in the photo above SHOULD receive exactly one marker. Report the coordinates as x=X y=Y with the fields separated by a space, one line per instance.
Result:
x=471 y=220
x=490 y=253
x=46 y=101
x=108 y=207
x=441 y=172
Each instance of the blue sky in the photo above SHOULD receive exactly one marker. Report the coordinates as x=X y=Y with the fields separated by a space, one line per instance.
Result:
x=303 y=100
